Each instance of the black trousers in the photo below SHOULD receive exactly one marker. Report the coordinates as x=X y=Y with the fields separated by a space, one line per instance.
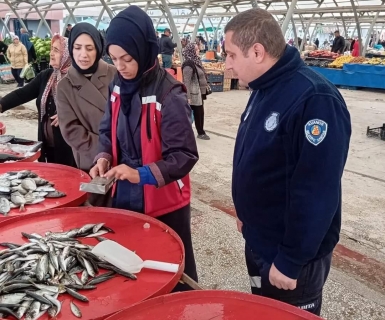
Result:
x=199 y=118
x=308 y=293
x=16 y=75
x=180 y=222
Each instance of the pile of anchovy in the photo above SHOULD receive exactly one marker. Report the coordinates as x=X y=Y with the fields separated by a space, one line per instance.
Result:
x=33 y=274
x=20 y=188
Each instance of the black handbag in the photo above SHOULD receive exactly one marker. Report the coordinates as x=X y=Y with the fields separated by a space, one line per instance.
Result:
x=208 y=90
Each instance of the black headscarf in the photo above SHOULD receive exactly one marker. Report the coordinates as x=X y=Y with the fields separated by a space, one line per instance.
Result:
x=139 y=42
x=86 y=28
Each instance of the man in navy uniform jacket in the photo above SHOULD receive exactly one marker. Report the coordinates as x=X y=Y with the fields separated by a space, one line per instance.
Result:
x=290 y=153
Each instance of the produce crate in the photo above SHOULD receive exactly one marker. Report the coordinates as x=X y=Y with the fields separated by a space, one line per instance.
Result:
x=212 y=78
x=216 y=87
x=228 y=74
x=227 y=85
x=6 y=74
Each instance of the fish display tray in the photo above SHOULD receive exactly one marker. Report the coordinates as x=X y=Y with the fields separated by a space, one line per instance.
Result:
x=158 y=242
x=66 y=179
x=212 y=304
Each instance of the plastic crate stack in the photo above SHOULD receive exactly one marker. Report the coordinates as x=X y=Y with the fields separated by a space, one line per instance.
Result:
x=228 y=76
x=215 y=82
x=6 y=74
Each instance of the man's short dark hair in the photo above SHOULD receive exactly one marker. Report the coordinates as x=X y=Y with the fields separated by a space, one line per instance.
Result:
x=257 y=26
x=69 y=25
x=167 y=30
x=336 y=31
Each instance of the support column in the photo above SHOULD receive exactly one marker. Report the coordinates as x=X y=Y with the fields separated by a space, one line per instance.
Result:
x=174 y=30
x=288 y=16
x=107 y=8
x=199 y=20
x=41 y=17
x=16 y=14
x=70 y=12
x=314 y=30
x=41 y=21
x=370 y=31
x=254 y=4
x=357 y=26
x=147 y=5
x=5 y=28
x=308 y=26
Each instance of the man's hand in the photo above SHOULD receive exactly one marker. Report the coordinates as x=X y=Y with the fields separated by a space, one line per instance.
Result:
x=55 y=121
x=239 y=225
x=280 y=281
x=124 y=172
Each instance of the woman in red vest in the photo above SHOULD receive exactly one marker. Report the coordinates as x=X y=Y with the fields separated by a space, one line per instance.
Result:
x=145 y=138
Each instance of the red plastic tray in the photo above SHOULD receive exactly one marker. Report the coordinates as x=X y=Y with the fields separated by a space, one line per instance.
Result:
x=66 y=179
x=158 y=242
x=31 y=158
x=211 y=304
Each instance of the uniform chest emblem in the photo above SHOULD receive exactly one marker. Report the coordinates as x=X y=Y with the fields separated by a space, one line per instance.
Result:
x=272 y=121
x=315 y=131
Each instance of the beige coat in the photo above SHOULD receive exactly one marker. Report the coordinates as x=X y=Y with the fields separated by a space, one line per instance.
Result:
x=80 y=108
x=17 y=55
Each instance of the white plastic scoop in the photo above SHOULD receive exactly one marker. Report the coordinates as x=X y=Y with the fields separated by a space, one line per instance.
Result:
x=127 y=260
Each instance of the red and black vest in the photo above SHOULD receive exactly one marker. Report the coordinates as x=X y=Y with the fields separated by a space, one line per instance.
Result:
x=177 y=194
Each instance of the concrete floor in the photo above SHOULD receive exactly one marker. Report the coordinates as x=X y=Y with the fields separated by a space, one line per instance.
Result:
x=356 y=286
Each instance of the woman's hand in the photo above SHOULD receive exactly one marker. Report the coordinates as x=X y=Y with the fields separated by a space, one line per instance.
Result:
x=100 y=168
x=55 y=121
x=124 y=172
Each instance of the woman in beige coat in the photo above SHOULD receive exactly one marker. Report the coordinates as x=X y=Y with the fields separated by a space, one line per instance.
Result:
x=83 y=93
x=18 y=56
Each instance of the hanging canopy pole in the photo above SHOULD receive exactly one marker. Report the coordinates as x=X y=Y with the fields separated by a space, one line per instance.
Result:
x=200 y=19
x=107 y=8
x=174 y=30
x=358 y=27
x=307 y=30
x=289 y=16
x=16 y=14
x=70 y=12
x=41 y=21
x=368 y=35
x=5 y=28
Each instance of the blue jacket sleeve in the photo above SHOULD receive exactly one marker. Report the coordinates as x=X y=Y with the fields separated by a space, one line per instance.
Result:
x=105 y=144
x=319 y=150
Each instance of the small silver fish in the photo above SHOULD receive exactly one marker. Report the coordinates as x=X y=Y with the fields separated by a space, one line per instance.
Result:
x=86 y=228
x=15 y=183
x=5 y=190
x=37 y=200
x=55 y=194
x=23 y=174
x=18 y=200
x=19 y=189
x=29 y=184
x=75 y=310
x=40 y=194
x=4 y=206
x=23 y=308
x=97 y=234
x=40 y=182
x=45 y=189
x=5 y=183
x=42 y=268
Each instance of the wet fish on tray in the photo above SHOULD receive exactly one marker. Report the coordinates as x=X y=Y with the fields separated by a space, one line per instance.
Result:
x=23 y=188
x=33 y=275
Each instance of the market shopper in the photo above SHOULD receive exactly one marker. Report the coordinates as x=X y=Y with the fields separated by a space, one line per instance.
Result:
x=167 y=48
x=83 y=93
x=289 y=157
x=146 y=135
x=24 y=38
x=194 y=78
x=338 y=43
x=18 y=56
x=44 y=89
x=3 y=52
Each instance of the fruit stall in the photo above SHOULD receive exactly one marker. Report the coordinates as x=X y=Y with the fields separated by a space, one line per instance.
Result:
x=351 y=72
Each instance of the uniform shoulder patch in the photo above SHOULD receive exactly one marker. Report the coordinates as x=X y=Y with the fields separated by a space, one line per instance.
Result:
x=315 y=131
x=272 y=121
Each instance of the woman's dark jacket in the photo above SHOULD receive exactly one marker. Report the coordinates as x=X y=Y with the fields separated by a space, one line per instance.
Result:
x=34 y=90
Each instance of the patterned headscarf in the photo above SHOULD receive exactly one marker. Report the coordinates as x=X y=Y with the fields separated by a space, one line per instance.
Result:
x=57 y=74
x=189 y=54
